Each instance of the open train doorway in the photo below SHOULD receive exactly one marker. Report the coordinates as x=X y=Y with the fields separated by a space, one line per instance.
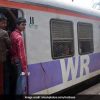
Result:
x=11 y=14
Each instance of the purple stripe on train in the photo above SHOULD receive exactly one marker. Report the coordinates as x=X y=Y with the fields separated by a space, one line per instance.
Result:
x=44 y=75
x=84 y=64
x=49 y=74
x=94 y=62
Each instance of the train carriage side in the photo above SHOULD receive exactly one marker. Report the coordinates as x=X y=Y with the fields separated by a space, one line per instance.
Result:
x=62 y=50
x=62 y=47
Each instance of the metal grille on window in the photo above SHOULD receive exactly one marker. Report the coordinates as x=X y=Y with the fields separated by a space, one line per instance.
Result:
x=62 y=38
x=85 y=37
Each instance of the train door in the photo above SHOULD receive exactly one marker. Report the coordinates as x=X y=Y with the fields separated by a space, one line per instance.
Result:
x=11 y=14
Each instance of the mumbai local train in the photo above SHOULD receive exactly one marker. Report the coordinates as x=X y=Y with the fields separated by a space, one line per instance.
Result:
x=62 y=42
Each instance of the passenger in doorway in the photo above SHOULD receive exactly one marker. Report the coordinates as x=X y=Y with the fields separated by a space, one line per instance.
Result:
x=5 y=24
x=19 y=56
x=4 y=48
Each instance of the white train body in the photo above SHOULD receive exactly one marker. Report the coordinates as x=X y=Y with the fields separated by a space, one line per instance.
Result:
x=50 y=73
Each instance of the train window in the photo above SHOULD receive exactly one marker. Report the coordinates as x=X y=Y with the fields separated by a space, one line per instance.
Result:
x=85 y=38
x=61 y=38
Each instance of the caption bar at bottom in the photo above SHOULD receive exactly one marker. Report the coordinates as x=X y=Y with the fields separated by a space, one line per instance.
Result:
x=49 y=97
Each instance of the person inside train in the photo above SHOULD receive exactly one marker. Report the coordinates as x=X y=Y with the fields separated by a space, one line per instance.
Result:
x=5 y=44
x=18 y=55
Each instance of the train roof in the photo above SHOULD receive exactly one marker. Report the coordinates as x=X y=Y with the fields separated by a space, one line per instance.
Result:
x=62 y=5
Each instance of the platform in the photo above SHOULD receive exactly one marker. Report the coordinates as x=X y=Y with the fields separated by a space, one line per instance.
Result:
x=92 y=93
x=94 y=90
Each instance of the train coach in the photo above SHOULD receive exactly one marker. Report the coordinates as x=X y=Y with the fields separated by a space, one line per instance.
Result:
x=62 y=43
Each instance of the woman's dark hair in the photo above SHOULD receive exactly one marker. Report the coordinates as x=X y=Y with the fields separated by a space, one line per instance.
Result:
x=2 y=17
x=20 y=20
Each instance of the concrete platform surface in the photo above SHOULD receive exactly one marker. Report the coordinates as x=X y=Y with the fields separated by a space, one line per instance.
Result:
x=94 y=90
